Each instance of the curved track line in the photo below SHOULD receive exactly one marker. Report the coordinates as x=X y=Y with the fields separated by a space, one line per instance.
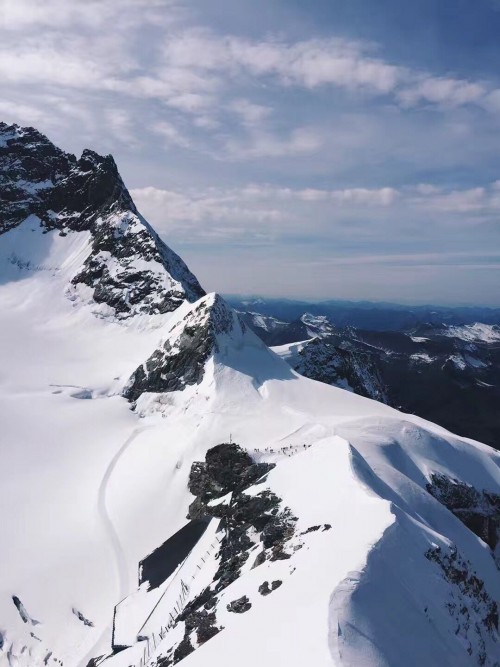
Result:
x=110 y=530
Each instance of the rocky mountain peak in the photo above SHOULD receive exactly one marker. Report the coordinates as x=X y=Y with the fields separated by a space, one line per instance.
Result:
x=316 y=325
x=30 y=165
x=127 y=267
x=91 y=189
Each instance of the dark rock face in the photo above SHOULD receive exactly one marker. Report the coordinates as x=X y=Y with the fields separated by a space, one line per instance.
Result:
x=204 y=624
x=30 y=165
x=311 y=529
x=478 y=510
x=473 y=609
x=183 y=650
x=323 y=360
x=21 y=609
x=82 y=618
x=180 y=361
x=239 y=606
x=89 y=195
x=229 y=469
x=170 y=369
x=228 y=464
x=94 y=662
x=92 y=188
x=199 y=625
x=265 y=589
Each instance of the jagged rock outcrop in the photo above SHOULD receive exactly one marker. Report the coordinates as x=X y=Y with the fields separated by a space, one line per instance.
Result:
x=250 y=521
x=469 y=604
x=229 y=470
x=180 y=359
x=266 y=589
x=478 y=510
x=323 y=359
x=239 y=606
x=30 y=165
x=129 y=269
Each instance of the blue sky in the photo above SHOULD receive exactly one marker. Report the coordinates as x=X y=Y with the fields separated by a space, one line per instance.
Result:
x=319 y=149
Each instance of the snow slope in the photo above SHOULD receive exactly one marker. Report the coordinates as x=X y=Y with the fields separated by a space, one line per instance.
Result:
x=93 y=481
x=476 y=333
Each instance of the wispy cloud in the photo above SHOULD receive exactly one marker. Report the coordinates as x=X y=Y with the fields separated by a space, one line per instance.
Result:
x=308 y=63
x=280 y=212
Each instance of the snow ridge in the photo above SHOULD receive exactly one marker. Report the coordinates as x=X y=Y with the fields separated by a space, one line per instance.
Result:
x=181 y=358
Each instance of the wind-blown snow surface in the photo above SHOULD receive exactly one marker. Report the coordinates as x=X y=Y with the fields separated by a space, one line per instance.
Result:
x=91 y=486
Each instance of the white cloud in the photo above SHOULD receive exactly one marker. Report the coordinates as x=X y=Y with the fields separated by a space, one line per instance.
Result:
x=308 y=63
x=243 y=211
x=442 y=91
x=171 y=134
x=366 y=197
x=215 y=215
x=101 y=48
x=458 y=201
x=300 y=141
x=385 y=196
x=492 y=101
x=120 y=124
x=427 y=189
x=13 y=112
x=334 y=124
x=252 y=115
x=19 y=15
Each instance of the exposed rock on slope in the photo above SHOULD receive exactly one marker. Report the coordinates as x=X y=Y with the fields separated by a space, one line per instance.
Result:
x=324 y=360
x=180 y=359
x=472 y=609
x=255 y=527
x=478 y=510
x=30 y=165
x=129 y=269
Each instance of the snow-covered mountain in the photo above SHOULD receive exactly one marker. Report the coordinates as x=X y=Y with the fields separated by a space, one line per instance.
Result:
x=173 y=491
x=475 y=333
x=371 y=315
x=276 y=332
x=123 y=266
x=329 y=360
x=450 y=375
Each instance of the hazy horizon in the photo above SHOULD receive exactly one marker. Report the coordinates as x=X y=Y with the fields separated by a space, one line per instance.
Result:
x=381 y=302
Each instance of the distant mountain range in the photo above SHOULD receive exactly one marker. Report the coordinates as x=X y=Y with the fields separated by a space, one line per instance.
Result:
x=449 y=374
x=376 y=316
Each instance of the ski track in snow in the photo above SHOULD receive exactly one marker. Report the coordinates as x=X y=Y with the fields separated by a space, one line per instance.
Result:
x=112 y=534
